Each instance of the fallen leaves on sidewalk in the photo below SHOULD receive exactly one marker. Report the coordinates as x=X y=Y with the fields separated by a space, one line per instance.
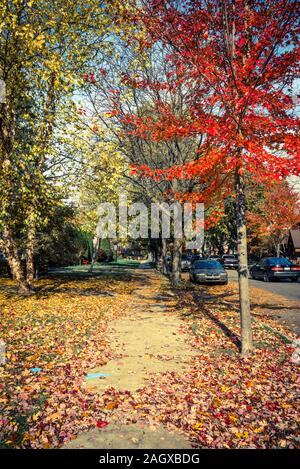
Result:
x=220 y=401
x=223 y=401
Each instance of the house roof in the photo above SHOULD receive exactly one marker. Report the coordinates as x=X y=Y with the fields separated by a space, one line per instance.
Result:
x=295 y=235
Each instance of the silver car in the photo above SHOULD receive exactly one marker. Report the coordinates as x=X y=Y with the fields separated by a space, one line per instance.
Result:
x=208 y=272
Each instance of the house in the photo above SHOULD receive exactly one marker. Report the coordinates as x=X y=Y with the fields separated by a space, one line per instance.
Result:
x=293 y=244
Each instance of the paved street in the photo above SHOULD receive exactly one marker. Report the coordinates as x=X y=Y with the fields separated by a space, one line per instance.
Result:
x=285 y=303
x=287 y=314
x=285 y=288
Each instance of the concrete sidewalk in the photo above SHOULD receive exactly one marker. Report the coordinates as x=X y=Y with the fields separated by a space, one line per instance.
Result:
x=145 y=341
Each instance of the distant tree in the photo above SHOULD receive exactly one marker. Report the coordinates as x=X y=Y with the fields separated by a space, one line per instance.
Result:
x=272 y=218
x=220 y=236
x=62 y=242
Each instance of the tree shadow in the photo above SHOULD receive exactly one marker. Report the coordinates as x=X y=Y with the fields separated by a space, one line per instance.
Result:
x=201 y=299
x=206 y=312
x=204 y=297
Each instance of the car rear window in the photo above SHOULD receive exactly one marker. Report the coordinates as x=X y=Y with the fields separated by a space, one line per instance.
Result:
x=278 y=261
x=207 y=265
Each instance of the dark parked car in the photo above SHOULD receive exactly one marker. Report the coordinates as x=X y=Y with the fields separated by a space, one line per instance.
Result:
x=273 y=268
x=230 y=261
x=214 y=258
x=208 y=272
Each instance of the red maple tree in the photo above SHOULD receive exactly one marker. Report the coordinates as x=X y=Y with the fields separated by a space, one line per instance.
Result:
x=275 y=215
x=241 y=57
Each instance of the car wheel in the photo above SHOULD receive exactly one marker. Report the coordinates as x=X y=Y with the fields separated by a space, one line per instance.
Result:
x=266 y=277
x=295 y=279
x=224 y=283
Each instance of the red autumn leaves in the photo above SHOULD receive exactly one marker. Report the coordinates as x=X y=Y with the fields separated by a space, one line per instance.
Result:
x=238 y=60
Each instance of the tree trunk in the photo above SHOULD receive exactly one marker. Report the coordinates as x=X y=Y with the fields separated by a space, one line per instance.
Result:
x=96 y=242
x=9 y=244
x=278 y=250
x=14 y=261
x=245 y=314
x=30 y=245
x=176 y=261
x=164 y=266
x=154 y=251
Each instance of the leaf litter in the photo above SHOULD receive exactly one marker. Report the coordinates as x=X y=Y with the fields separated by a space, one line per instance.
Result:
x=221 y=401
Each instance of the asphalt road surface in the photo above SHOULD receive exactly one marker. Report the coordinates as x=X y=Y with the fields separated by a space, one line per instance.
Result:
x=287 y=315
x=286 y=288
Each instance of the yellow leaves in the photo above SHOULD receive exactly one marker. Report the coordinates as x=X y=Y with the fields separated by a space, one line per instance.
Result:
x=36 y=416
x=232 y=418
x=53 y=417
x=11 y=357
x=39 y=41
x=243 y=434
x=260 y=427
x=32 y=358
x=198 y=426
x=138 y=406
x=216 y=403
x=258 y=430
x=225 y=388
x=25 y=437
x=111 y=406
